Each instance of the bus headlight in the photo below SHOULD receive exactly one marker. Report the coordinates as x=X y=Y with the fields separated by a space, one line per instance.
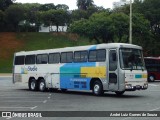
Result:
x=145 y=85
x=128 y=86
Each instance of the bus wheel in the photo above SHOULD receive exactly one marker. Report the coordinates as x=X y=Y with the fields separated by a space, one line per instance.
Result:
x=33 y=85
x=151 y=78
x=42 y=85
x=97 y=88
x=119 y=93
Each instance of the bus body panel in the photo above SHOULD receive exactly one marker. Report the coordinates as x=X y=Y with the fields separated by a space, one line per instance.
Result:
x=78 y=75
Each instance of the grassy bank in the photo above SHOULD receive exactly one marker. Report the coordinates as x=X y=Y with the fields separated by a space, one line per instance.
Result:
x=14 y=42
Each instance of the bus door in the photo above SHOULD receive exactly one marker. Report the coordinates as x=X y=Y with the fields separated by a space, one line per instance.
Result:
x=113 y=71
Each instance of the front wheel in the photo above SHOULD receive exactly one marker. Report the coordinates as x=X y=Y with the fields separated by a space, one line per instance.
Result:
x=42 y=85
x=119 y=93
x=97 y=88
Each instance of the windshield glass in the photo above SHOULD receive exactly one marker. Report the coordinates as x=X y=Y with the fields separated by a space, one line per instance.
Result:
x=131 y=59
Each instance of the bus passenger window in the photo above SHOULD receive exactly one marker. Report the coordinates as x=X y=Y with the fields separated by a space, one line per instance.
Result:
x=67 y=57
x=92 y=56
x=80 y=56
x=101 y=55
x=30 y=59
x=19 y=60
x=42 y=59
x=54 y=58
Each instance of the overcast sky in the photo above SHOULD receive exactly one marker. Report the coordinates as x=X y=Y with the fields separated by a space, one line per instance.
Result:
x=71 y=3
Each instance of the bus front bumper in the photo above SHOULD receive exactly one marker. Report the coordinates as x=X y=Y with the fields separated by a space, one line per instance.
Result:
x=130 y=87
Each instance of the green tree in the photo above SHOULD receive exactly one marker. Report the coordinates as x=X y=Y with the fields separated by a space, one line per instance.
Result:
x=46 y=7
x=84 y=4
x=62 y=6
x=15 y=14
x=1 y=20
x=55 y=17
x=4 y=4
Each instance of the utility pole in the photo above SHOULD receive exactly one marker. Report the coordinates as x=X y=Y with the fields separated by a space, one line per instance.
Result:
x=130 y=23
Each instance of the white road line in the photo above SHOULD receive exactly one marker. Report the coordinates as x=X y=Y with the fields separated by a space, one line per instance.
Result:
x=153 y=85
x=16 y=107
x=49 y=97
x=44 y=101
x=33 y=107
x=18 y=101
x=155 y=109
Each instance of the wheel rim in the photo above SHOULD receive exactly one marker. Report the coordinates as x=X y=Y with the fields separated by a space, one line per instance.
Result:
x=151 y=78
x=41 y=86
x=96 y=89
x=32 y=85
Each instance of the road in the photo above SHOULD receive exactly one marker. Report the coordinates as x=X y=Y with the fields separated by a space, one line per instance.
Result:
x=17 y=97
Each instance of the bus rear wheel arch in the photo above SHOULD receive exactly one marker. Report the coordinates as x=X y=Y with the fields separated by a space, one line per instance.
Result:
x=97 y=87
x=33 y=85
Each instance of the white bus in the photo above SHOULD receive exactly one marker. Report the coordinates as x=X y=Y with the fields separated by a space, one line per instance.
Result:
x=115 y=67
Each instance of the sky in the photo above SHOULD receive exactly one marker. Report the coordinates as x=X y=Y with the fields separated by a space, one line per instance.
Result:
x=71 y=3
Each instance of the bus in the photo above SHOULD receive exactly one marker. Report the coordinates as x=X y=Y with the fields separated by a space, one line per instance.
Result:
x=115 y=67
x=153 y=68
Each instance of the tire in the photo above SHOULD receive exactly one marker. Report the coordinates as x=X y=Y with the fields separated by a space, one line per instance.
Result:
x=97 y=88
x=33 y=86
x=119 y=93
x=42 y=85
x=151 y=78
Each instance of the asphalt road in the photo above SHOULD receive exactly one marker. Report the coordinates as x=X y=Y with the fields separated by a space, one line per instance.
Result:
x=17 y=97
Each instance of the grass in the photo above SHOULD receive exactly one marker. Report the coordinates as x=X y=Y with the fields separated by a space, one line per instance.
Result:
x=34 y=41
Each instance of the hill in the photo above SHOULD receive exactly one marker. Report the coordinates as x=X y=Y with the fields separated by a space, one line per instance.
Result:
x=14 y=42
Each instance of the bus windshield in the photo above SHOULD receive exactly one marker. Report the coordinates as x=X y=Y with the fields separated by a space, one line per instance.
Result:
x=131 y=59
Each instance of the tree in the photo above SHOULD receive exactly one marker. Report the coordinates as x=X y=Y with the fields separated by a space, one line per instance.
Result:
x=84 y=4
x=62 y=6
x=1 y=20
x=15 y=14
x=55 y=17
x=46 y=7
x=4 y=4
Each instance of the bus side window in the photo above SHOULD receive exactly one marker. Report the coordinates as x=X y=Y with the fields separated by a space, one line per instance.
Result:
x=66 y=57
x=92 y=55
x=42 y=59
x=19 y=60
x=54 y=58
x=112 y=60
x=30 y=59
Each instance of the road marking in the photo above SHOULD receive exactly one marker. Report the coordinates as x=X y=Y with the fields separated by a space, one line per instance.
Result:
x=18 y=101
x=33 y=107
x=44 y=101
x=155 y=109
x=153 y=85
x=17 y=107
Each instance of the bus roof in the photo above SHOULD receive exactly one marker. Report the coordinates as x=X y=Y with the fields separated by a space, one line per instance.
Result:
x=78 y=48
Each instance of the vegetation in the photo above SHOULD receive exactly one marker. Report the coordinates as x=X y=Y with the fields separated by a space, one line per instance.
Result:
x=15 y=42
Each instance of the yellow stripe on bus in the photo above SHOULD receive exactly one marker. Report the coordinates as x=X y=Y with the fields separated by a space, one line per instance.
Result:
x=90 y=72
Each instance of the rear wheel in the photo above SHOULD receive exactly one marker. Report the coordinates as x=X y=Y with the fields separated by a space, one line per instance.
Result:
x=97 y=88
x=33 y=86
x=119 y=93
x=42 y=85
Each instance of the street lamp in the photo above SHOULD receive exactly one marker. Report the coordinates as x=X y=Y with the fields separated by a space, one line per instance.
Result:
x=130 y=23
